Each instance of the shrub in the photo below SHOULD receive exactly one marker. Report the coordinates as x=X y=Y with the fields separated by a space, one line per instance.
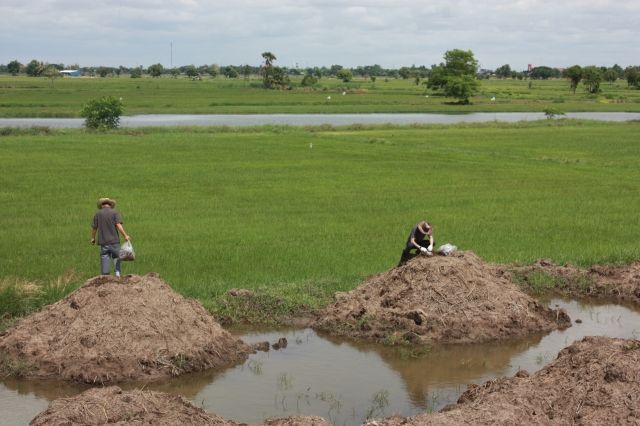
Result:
x=103 y=113
x=552 y=112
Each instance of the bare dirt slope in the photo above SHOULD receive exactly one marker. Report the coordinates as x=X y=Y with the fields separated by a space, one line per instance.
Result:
x=113 y=406
x=453 y=299
x=595 y=381
x=117 y=329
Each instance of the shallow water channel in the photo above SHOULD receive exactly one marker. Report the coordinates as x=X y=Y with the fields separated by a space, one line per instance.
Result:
x=242 y=120
x=344 y=381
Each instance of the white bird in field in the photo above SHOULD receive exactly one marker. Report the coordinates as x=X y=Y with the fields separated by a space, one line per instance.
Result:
x=344 y=93
x=328 y=98
x=493 y=99
x=310 y=145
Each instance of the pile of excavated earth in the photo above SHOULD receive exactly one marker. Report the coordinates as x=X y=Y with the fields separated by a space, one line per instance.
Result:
x=113 y=406
x=618 y=282
x=113 y=330
x=441 y=299
x=119 y=329
x=595 y=381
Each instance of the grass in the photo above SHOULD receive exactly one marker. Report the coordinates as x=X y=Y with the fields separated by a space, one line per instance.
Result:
x=543 y=282
x=213 y=209
x=10 y=367
x=33 y=97
x=19 y=296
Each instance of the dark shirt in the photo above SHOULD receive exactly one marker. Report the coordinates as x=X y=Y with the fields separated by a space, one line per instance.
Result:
x=105 y=221
x=417 y=234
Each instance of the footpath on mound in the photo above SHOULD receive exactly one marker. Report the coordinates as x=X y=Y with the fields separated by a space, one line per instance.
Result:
x=119 y=329
x=595 y=381
x=113 y=406
x=441 y=299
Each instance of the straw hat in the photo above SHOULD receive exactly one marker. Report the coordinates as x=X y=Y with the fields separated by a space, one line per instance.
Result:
x=109 y=201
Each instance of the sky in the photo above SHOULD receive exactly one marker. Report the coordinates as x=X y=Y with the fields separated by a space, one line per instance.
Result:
x=307 y=33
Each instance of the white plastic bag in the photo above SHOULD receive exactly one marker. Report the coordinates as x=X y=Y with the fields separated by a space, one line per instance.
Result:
x=447 y=249
x=126 y=252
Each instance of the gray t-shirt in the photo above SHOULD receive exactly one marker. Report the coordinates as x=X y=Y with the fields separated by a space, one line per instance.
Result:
x=105 y=221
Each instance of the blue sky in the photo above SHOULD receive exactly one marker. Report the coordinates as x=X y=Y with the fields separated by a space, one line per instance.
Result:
x=391 y=33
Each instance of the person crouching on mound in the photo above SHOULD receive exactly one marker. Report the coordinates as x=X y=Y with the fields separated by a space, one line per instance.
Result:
x=417 y=243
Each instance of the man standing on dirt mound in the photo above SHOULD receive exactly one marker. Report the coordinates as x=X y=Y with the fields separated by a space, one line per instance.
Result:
x=107 y=222
x=416 y=241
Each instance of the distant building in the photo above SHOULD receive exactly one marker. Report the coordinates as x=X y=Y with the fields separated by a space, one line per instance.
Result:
x=70 y=73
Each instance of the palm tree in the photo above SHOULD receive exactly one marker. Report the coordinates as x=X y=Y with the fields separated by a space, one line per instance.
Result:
x=267 y=68
x=268 y=59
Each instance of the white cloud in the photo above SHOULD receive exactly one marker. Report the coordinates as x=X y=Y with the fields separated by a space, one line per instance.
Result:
x=320 y=32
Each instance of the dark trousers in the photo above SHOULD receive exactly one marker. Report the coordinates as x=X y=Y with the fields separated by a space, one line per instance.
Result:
x=410 y=252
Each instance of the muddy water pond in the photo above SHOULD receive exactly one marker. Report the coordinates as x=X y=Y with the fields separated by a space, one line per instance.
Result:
x=345 y=381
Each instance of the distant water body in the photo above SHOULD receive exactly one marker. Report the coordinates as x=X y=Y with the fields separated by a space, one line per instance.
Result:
x=243 y=120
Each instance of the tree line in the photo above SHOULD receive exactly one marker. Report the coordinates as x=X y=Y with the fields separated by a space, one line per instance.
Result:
x=456 y=77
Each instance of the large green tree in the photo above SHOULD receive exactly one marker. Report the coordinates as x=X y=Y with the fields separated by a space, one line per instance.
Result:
x=610 y=75
x=34 y=68
x=504 y=71
x=544 y=73
x=14 y=67
x=273 y=77
x=267 y=69
x=574 y=74
x=51 y=72
x=460 y=62
x=155 y=70
x=191 y=71
x=591 y=78
x=456 y=77
x=345 y=75
x=632 y=75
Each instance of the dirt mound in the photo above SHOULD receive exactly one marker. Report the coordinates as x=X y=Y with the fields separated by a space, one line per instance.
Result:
x=116 y=329
x=620 y=282
x=113 y=406
x=595 y=381
x=453 y=299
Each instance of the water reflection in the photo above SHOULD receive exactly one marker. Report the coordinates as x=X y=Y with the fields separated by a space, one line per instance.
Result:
x=426 y=372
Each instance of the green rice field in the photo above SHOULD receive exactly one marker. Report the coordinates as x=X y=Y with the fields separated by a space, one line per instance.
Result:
x=38 y=97
x=308 y=211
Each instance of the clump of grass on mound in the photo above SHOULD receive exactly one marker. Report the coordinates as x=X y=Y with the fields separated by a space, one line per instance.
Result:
x=541 y=282
x=20 y=297
x=10 y=367
x=272 y=304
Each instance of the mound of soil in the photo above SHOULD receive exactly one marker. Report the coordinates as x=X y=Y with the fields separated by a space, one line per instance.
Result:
x=117 y=329
x=101 y=406
x=595 y=381
x=620 y=282
x=113 y=406
x=453 y=299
